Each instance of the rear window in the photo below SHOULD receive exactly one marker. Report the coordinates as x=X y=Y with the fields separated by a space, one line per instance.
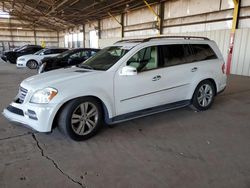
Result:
x=175 y=54
x=202 y=52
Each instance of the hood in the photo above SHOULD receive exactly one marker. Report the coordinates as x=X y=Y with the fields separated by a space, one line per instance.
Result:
x=27 y=56
x=9 y=52
x=54 y=78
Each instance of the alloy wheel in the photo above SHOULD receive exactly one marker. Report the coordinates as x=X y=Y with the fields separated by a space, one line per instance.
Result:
x=205 y=95
x=84 y=118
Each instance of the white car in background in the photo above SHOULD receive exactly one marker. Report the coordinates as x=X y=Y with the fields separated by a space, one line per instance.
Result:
x=33 y=60
x=132 y=78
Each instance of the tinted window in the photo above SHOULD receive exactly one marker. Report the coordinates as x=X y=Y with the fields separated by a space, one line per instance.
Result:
x=202 y=52
x=34 y=49
x=47 y=52
x=175 y=54
x=40 y=51
x=92 y=52
x=80 y=54
x=65 y=54
x=57 y=51
x=145 y=59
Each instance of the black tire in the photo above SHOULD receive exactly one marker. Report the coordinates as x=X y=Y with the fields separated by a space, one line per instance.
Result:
x=65 y=119
x=199 y=105
x=32 y=64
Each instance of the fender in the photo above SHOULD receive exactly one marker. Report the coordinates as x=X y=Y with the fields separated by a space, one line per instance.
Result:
x=108 y=109
x=197 y=79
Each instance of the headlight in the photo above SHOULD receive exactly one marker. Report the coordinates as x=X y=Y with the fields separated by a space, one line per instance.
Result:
x=21 y=59
x=43 y=96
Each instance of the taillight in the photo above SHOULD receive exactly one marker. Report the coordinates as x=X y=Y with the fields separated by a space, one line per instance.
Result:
x=223 y=68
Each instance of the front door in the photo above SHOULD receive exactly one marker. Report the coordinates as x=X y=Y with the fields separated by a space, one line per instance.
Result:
x=141 y=91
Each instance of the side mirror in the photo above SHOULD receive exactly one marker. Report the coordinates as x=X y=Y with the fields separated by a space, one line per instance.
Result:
x=128 y=71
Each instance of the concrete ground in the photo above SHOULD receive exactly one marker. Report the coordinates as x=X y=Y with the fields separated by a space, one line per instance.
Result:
x=179 y=148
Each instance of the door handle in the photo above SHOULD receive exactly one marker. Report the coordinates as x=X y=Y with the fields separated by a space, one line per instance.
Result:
x=155 y=78
x=194 y=69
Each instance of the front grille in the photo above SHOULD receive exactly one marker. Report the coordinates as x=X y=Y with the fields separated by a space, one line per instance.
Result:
x=22 y=94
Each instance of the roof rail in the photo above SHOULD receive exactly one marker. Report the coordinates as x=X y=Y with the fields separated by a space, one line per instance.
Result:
x=162 y=37
x=183 y=37
x=130 y=40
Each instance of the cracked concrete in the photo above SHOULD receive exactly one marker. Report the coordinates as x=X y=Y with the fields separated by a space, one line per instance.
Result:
x=54 y=163
x=16 y=136
x=179 y=148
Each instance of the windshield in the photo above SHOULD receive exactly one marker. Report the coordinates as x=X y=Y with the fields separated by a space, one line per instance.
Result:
x=40 y=51
x=64 y=54
x=105 y=58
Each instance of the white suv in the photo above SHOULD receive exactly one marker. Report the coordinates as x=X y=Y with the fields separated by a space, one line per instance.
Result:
x=132 y=78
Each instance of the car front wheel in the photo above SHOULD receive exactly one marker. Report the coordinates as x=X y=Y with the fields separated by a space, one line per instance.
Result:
x=32 y=64
x=81 y=118
x=203 y=96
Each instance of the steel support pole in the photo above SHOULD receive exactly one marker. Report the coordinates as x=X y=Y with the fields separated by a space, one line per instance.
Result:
x=157 y=16
x=232 y=36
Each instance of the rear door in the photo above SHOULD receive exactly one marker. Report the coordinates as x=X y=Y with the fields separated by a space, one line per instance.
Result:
x=205 y=57
x=178 y=71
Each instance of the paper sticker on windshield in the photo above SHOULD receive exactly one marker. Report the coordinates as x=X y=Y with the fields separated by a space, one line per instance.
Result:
x=126 y=47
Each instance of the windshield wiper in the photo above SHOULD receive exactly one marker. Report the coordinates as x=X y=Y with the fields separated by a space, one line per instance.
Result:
x=85 y=66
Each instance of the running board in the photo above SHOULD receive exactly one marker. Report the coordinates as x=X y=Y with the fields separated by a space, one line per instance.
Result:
x=148 y=111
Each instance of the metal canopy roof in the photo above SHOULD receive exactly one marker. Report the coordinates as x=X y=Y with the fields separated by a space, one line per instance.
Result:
x=62 y=14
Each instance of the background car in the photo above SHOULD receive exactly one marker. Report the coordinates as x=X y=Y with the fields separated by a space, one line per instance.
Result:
x=21 y=47
x=33 y=60
x=12 y=56
x=65 y=59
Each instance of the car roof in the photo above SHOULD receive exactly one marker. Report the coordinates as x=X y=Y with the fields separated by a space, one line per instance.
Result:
x=134 y=42
x=80 y=49
x=55 y=48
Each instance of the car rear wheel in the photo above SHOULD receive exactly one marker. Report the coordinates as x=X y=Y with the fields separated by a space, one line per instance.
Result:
x=203 y=96
x=81 y=118
x=32 y=64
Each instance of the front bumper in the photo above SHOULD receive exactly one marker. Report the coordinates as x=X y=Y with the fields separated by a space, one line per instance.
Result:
x=20 y=64
x=36 y=116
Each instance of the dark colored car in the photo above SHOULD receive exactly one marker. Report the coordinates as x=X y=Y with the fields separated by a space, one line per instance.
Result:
x=66 y=59
x=12 y=56
x=21 y=47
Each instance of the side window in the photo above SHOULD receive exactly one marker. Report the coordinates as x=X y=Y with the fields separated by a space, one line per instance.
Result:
x=175 y=54
x=47 y=52
x=79 y=54
x=58 y=51
x=29 y=50
x=145 y=59
x=84 y=54
x=92 y=53
x=202 y=52
x=33 y=50
x=61 y=51
x=75 y=55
